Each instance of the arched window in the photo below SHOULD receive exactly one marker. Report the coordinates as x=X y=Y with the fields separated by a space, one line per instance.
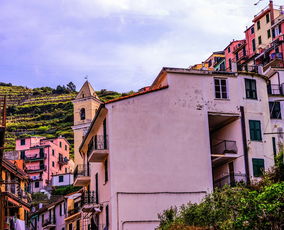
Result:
x=83 y=114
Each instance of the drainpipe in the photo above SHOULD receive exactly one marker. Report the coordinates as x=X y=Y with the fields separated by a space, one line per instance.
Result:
x=245 y=146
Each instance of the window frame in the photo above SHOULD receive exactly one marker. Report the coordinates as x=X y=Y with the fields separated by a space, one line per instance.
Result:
x=259 y=40
x=250 y=92
x=258 y=25
x=255 y=163
x=60 y=179
x=274 y=111
x=267 y=17
x=220 y=87
x=269 y=33
x=23 y=142
x=255 y=130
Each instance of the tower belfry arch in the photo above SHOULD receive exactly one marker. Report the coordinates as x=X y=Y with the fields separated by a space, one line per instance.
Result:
x=85 y=106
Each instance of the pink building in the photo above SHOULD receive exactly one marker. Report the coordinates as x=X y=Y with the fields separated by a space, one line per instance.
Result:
x=230 y=56
x=250 y=41
x=43 y=158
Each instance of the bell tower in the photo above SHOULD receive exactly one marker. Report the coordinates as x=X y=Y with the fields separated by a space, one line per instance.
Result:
x=85 y=107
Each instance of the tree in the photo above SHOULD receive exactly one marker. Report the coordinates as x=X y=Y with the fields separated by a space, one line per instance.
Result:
x=71 y=87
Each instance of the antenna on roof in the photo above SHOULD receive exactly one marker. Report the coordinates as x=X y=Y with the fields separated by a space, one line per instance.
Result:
x=257 y=2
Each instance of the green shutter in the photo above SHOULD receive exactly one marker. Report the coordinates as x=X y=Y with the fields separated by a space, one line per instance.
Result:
x=255 y=130
x=258 y=167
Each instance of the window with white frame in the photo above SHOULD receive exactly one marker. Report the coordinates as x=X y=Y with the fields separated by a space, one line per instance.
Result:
x=221 y=88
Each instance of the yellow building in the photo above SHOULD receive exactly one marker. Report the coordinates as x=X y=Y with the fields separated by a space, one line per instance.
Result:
x=14 y=197
x=85 y=106
x=262 y=26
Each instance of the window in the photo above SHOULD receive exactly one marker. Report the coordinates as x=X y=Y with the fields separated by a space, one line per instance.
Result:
x=220 y=88
x=252 y=30
x=229 y=49
x=60 y=209
x=255 y=130
x=23 y=141
x=65 y=147
x=83 y=114
x=52 y=163
x=268 y=33
x=106 y=171
x=70 y=226
x=61 y=178
x=258 y=167
x=250 y=85
x=23 y=155
x=42 y=220
x=65 y=170
x=78 y=225
x=210 y=63
x=275 y=110
x=267 y=18
x=37 y=184
x=230 y=63
x=274 y=147
x=60 y=144
x=107 y=216
x=253 y=45
x=52 y=152
x=259 y=40
x=258 y=25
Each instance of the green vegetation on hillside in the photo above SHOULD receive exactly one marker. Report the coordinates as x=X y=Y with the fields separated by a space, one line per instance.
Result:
x=259 y=206
x=43 y=111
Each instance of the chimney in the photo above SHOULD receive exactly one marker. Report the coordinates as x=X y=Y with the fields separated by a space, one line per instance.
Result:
x=271 y=12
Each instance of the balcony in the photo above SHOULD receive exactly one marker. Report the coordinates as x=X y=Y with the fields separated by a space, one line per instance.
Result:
x=35 y=169
x=223 y=152
x=90 y=202
x=36 y=157
x=81 y=175
x=48 y=224
x=98 y=148
x=74 y=211
x=62 y=160
x=274 y=89
x=230 y=179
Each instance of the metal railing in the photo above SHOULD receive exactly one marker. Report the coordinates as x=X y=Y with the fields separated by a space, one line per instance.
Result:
x=224 y=147
x=89 y=197
x=98 y=142
x=36 y=157
x=62 y=160
x=31 y=169
x=81 y=170
x=274 y=89
x=74 y=211
x=230 y=179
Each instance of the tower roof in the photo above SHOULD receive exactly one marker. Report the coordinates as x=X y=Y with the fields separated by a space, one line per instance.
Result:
x=86 y=91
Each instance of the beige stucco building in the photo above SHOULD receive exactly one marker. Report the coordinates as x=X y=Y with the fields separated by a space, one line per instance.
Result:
x=85 y=106
x=192 y=131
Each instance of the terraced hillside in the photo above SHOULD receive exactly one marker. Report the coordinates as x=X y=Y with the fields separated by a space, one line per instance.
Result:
x=42 y=112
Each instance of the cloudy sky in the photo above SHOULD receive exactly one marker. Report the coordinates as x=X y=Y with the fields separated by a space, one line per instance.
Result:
x=120 y=44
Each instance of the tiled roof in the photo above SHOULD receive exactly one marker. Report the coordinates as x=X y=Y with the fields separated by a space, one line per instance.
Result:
x=14 y=169
x=136 y=94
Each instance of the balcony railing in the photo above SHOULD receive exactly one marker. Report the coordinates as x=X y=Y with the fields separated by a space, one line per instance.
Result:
x=224 y=147
x=81 y=170
x=36 y=157
x=32 y=169
x=74 y=211
x=230 y=179
x=49 y=222
x=63 y=160
x=98 y=142
x=274 y=89
x=89 y=197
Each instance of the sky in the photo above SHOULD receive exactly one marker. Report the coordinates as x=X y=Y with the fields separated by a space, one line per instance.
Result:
x=119 y=45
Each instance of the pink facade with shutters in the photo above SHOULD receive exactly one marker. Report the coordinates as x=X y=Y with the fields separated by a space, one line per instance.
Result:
x=43 y=158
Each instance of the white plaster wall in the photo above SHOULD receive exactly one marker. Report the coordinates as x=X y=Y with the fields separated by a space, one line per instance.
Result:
x=159 y=144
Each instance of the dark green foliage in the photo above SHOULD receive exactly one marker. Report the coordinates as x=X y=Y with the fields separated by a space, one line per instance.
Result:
x=259 y=206
x=64 y=190
x=39 y=197
x=5 y=84
x=71 y=87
